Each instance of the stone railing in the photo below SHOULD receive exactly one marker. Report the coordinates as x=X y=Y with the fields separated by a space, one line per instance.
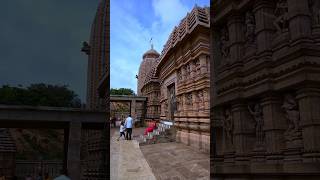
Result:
x=33 y=168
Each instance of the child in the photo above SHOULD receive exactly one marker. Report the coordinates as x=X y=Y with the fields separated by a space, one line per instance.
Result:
x=121 y=130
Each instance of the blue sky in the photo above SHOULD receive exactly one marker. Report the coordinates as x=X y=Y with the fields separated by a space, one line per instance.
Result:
x=133 y=23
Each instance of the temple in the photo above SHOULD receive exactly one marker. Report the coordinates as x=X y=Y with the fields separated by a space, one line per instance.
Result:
x=176 y=81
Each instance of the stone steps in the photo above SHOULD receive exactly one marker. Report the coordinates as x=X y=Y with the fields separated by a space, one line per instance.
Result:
x=164 y=133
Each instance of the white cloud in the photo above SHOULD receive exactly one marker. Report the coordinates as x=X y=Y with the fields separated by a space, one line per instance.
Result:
x=170 y=11
x=130 y=35
x=128 y=43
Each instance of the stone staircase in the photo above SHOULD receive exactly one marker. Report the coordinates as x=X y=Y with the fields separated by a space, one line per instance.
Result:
x=165 y=132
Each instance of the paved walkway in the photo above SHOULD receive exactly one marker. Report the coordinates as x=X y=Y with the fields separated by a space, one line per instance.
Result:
x=176 y=161
x=127 y=160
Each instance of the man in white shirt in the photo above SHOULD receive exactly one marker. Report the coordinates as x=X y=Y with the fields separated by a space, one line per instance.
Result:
x=128 y=125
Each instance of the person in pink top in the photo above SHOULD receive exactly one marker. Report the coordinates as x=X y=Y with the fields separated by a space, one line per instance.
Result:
x=150 y=128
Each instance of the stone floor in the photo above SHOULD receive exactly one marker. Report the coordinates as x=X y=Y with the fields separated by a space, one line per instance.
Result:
x=127 y=160
x=162 y=161
x=175 y=161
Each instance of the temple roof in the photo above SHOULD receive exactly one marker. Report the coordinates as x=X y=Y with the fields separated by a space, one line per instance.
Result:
x=151 y=74
x=197 y=17
x=151 y=53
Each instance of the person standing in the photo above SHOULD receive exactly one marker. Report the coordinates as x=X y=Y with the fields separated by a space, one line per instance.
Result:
x=128 y=126
x=121 y=131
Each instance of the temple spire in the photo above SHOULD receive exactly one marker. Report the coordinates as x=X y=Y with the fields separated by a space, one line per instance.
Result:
x=151 y=43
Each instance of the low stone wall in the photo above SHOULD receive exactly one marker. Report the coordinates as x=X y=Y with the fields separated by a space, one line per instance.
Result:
x=194 y=132
x=33 y=168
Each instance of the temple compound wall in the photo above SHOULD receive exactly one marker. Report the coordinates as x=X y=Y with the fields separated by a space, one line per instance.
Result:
x=178 y=85
x=266 y=91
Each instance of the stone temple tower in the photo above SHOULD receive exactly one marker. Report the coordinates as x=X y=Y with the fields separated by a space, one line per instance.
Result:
x=149 y=60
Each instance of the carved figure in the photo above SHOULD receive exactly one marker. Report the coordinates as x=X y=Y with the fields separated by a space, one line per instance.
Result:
x=250 y=27
x=258 y=117
x=178 y=103
x=85 y=48
x=315 y=11
x=228 y=125
x=224 y=43
x=197 y=64
x=291 y=113
x=179 y=75
x=281 y=14
x=200 y=95
x=188 y=69
x=189 y=99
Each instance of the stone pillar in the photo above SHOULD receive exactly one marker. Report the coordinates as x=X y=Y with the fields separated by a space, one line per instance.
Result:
x=309 y=100
x=243 y=132
x=133 y=109
x=264 y=24
x=236 y=37
x=74 y=145
x=65 y=148
x=195 y=103
x=299 y=19
x=274 y=127
x=203 y=64
x=206 y=101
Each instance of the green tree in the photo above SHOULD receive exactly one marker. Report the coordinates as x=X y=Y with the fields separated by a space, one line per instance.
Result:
x=121 y=91
x=39 y=95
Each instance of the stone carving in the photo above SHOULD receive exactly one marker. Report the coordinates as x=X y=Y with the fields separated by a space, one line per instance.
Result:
x=250 y=27
x=197 y=63
x=258 y=117
x=178 y=103
x=85 y=48
x=179 y=75
x=200 y=95
x=189 y=99
x=281 y=14
x=228 y=125
x=188 y=69
x=224 y=42
x=315 y=11
x=166 y=107
x=292 y=114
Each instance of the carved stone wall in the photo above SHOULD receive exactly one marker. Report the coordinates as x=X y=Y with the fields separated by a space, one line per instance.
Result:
x=184 y=65
x=265 y=95
x=177 y=85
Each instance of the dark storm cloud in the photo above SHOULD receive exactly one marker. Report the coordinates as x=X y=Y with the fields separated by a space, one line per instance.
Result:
x=40 y=41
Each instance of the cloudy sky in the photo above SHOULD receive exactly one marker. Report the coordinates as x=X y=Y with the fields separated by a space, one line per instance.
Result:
x=40 y=41
x=133 y=23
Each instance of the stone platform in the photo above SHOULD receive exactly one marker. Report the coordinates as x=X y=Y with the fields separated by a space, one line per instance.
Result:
x=127 y=160
x=176 y=161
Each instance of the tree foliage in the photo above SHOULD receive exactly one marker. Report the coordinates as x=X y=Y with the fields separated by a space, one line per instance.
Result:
x=121 y=91
x=39 y=95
